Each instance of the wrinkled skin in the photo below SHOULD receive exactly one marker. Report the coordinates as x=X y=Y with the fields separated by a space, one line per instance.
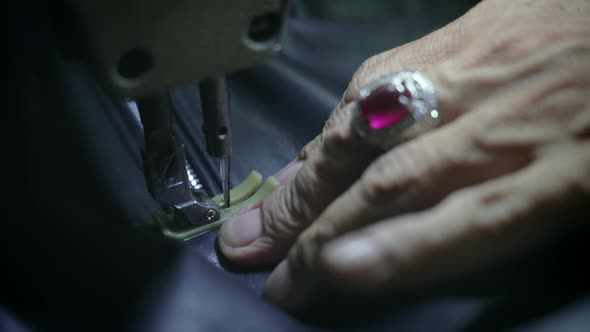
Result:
x=508 y=170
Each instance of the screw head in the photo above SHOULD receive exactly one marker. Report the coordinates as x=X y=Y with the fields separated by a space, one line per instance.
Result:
x=211 y=214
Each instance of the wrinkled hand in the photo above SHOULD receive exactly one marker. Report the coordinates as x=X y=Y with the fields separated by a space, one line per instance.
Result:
x=508 y=170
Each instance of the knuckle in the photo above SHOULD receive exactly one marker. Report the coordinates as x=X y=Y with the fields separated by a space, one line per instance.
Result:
x=407 y=167
x=296 y=204
x=318 y=234
x=300 y=258
x=303 y=196
x=332 y=155
x=387 y=176
x=484 y=224
x=509 y=43
x=308 y=149
x=281 y=220
x=381 y=179
x=305 y=253
x=336 y=138
x=363 y=74
x=334 y=129
x=488 y=212
x=334 y=133
x=339 y=118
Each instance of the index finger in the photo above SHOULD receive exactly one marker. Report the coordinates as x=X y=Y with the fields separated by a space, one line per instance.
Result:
x=264 y=234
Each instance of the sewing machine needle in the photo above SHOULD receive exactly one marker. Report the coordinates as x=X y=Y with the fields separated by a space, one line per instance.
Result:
x=225 y=179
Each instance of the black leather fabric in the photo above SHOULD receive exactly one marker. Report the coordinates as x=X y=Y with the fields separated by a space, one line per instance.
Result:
x=77 y=257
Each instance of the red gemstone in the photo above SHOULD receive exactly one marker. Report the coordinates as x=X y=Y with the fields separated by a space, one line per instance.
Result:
x=382 y=108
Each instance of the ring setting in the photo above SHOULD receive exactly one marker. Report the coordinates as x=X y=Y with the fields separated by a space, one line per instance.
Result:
x=395 y=108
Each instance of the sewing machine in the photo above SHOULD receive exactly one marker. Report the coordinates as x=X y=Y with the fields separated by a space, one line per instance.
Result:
x=139 y=49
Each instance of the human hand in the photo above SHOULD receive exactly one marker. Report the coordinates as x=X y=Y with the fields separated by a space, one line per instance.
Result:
x=507 y=171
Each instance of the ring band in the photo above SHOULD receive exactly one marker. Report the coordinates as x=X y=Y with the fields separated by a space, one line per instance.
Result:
x=395 y=108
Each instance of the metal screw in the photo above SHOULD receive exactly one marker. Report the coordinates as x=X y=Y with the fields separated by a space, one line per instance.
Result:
x=211 y=215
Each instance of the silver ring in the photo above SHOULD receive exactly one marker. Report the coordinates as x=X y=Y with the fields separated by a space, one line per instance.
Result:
x=395 y=108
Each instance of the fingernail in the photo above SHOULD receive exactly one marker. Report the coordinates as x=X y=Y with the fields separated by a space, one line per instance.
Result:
x=279 y=284
x=242 y=229
x=353 y=260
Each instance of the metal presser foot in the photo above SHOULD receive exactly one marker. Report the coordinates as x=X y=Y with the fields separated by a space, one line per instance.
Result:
x=250 y=192
x=187 y=213
x=165 y=166
x=169 y=183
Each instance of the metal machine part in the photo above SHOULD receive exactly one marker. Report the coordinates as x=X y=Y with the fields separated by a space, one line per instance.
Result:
x=139 y=47
x=193 y=178
x=216 y=127
x=165 y=163
x=215 y=103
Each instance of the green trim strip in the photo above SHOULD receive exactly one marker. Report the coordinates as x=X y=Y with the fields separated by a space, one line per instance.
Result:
x=242 y=191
